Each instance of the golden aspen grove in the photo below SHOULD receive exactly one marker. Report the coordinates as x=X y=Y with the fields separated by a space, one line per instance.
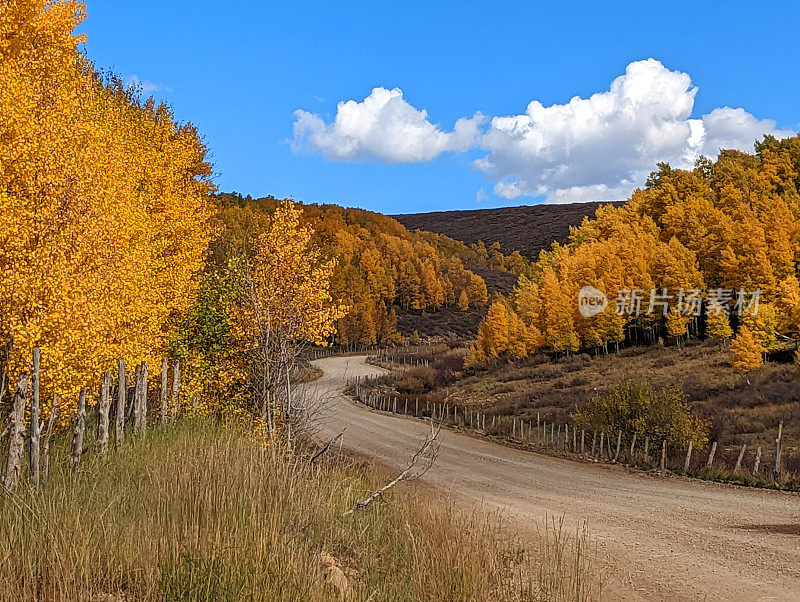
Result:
x=106 y=220
x=733 y=224
x=104 y=212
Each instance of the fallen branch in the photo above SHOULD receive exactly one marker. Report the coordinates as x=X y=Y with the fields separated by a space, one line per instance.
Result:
x=420 y=463
x=325 y=449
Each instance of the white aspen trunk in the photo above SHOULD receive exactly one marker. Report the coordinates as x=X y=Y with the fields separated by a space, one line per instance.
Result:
x=142 y=401
x=36 y=426
x=164 y=390
x=176 y=387
x=137 y=399
x=80 y=427
x=119 y=432
x=46 y=444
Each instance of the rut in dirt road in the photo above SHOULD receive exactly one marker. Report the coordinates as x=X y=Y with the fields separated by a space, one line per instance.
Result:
x=658 y=538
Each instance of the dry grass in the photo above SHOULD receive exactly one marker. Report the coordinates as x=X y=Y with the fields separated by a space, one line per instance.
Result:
x=741 y=409
x=200 y=512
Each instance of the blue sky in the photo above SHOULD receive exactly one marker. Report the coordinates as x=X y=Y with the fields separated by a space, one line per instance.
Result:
x=241 y=70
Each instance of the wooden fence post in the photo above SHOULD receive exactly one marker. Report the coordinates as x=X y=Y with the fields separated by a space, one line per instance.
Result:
x=664 y=456
x=164 y=396
x=602 y=435
x=119 y=424
x=757 y=462
x=619 y=444
x=711 y=455
x=688 y=460
x=594 y=442
x=739 y=459
x=36 y=426
x=646 y=449
x=80 y=426
x=583 y=439
x=778 y=452
x=16 y=434
x=47 y=435
x=102 y=415
x=633 y=444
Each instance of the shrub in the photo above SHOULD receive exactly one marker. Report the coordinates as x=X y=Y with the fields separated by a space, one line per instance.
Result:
x=635 y=407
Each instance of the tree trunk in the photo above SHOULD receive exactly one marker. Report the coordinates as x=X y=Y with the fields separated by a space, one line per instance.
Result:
x=80 y=427
x=36 y=426
x=119 y=434
x=176 y=387
x=164 y=393
x=48 y=434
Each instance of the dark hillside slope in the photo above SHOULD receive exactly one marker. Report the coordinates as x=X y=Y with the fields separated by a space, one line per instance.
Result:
x=527 y=229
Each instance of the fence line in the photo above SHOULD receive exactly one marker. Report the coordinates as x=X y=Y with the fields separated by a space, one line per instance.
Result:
x=18 y=432
x=615 y=448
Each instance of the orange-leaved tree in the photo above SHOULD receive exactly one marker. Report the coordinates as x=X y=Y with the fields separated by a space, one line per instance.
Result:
x=290 y=304
x=746 y=351
x=103 y=207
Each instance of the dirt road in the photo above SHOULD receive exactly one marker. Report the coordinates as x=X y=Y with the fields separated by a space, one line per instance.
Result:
x=660 y=538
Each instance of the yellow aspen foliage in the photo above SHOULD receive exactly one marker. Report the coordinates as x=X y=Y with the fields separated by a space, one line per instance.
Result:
x=676 y=325
x=103 y=207
x=476 y=291
x=746 y=351
x=463 y=301
x=764 y=326
x=518 y=342
x=379 y=263
x=787 y=303
x=718 y=325
x=493 y=335
x=292 y=281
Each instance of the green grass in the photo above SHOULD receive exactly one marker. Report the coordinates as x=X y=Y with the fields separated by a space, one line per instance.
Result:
x=202 y=512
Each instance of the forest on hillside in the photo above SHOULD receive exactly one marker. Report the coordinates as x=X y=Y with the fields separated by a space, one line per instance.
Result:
x=711 y=251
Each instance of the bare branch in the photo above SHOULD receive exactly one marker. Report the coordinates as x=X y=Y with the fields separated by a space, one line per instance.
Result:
x=420 y=463
x=327 y=446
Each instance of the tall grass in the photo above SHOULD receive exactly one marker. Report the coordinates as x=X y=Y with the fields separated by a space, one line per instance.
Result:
x=197 y=511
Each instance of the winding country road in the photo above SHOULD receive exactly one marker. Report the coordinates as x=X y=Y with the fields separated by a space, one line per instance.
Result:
x=659 y=538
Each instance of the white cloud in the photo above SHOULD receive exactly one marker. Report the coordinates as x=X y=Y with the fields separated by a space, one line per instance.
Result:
x=601 y=147
x=596 y=148
x=383 y=127
x=481 y=196
x=146 y=86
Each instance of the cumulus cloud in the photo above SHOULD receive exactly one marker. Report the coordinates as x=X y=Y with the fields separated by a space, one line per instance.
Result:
x=596 y=148
x=383 y=127
x=146 y=86
x=601 y=147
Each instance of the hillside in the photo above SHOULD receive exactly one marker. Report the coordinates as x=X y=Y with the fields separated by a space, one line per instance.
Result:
x=527 y=229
